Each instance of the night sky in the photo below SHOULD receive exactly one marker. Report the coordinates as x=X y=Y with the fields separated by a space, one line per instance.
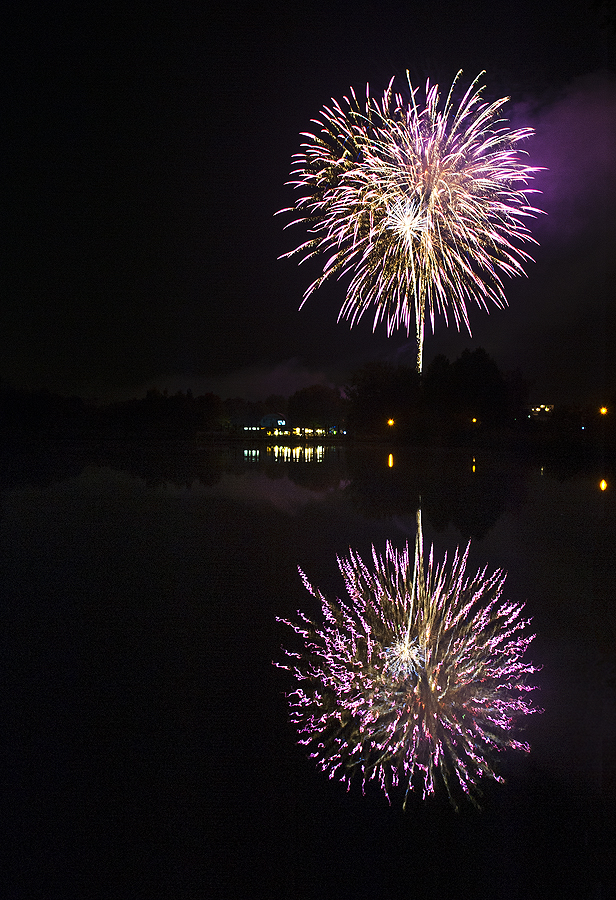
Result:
x=146 y=149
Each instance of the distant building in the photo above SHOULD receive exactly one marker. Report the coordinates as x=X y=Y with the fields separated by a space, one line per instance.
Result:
x=331 y=431
x=276 y=425
x=544 y=411
x=271 y=422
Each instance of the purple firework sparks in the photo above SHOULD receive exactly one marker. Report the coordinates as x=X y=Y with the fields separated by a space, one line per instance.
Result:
x=420 y=673
x=425 y=205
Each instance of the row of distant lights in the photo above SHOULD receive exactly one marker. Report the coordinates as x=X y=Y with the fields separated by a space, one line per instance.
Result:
x=298 y=432
x=544 y=409
x=392 y=422
x=547 y=409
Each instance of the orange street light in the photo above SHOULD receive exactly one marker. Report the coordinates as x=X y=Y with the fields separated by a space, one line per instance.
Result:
x=603 y=484
x=390 y=422
x=603 y=410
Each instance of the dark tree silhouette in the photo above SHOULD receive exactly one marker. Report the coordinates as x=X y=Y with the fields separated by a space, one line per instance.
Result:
x=379 y=392
x=317 y=406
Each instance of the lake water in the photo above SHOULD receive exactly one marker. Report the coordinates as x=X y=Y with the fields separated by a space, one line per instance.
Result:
x=146 y=746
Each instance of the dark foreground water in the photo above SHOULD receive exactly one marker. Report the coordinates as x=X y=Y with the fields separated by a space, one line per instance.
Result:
x=145 y=743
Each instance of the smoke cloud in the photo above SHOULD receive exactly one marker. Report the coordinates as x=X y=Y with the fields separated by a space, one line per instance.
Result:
x=250 y=383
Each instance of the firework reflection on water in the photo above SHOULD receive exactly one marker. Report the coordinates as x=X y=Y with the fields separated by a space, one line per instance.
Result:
x=418 y=678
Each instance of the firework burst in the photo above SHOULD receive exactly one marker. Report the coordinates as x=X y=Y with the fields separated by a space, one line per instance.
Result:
x=420 y=675
x=425 y=206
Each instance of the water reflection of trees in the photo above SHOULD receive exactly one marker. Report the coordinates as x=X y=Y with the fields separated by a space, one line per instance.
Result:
x=457 y=487
x=315 y=467
x=158 y=466
x=469 y=491
x=155 y=465
x=40 y=468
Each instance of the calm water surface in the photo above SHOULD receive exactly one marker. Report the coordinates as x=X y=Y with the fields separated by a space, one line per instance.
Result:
x=146 y=748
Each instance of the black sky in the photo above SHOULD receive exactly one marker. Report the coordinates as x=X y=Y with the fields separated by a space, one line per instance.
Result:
x=145 y=153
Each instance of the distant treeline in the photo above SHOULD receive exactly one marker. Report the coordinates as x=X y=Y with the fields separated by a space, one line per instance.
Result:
x=26 y=415
x=450 y=397
x=36 y=415
x=451 y=403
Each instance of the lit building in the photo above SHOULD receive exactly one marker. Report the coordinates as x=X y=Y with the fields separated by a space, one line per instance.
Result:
x=544 y=411
x=274 y=424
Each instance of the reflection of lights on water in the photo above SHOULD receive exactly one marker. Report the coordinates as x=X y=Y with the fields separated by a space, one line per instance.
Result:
x=390 y=460
x=280 y=453
x=251 y=455
x=474 y=467
x=283 y=453
x=603 y=484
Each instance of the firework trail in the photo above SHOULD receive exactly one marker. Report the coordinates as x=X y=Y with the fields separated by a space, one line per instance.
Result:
x=425 y=206
x=419 y=676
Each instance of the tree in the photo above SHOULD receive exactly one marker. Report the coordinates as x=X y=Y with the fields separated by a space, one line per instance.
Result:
x=379 y=392
x=317 y=406
x=479 y=389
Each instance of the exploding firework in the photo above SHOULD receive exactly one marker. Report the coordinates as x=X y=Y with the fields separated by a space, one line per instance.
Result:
x=425 y=205
x=420 y=675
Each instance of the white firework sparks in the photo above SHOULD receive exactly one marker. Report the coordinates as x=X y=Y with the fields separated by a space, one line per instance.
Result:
x=425 y=206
